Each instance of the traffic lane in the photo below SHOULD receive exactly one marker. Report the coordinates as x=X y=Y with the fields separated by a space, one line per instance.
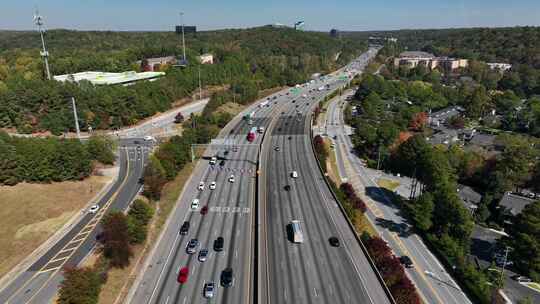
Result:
x=204 y=234
x=125 y=195
x=280 y=271
x=446 y=288
x=18 y=285
x=160 y=257
x=169 y=285
x=358 y=268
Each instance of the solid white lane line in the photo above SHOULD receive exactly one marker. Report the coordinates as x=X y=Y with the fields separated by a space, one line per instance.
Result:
x=164 y=265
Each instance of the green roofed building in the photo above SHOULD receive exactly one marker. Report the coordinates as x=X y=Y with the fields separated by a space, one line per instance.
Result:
x=104 y=78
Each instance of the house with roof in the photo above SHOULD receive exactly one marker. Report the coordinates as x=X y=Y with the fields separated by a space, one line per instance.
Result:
x=512 y=204
x=413 y=59
x=470 y=198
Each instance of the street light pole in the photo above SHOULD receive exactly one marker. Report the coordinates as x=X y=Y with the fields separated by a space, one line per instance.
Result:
x=76 y=117
x=183 y=39
x=200 y=86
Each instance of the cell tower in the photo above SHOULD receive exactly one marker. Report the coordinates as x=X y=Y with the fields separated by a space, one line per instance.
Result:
x=38 y=20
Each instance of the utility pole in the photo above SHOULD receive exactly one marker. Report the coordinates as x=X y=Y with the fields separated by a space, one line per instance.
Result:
x=379 y=158
x=200 y=86
x=38 y=20
x=504 y=265
x=76 y=117
x=183 y=39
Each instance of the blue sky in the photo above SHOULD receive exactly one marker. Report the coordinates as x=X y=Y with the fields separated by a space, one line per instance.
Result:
x=318 y=15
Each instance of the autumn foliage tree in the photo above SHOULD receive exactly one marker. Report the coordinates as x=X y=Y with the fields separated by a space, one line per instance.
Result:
x=116 y=246
x=80 y=285
x=389 y=266
x=418 y=121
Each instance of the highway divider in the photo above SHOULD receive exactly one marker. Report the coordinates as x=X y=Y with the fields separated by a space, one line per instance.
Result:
x=349 y=223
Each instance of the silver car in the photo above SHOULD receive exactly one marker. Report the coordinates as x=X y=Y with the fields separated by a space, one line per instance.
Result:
x=209 y=290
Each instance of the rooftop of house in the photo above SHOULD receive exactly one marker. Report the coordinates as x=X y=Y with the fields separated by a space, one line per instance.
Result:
x=514 y=203
x=468 y=195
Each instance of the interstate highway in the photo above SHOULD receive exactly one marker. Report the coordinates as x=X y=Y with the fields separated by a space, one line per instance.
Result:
x=231 y=216
x=311 y=272
x=39 y=283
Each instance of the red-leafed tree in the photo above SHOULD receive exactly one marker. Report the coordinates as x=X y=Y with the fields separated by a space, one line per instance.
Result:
x=390 y=269
x=348 y=190
x=116 y=238
x=418 y=121
x=378 y=249
x=404 y=292
x=359 y=204
x=320 y=148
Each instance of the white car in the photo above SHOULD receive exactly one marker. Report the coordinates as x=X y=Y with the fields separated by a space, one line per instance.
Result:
x=195 y=204
x=213 y=186
x=93 y=209
x=201 y=186
x=294 y=174
x=149 y=138
x=209 y=289
x=213 y=160
x=231 y=179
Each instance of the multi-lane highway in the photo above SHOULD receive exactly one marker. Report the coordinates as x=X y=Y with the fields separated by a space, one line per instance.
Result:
x=39 y=283
x=314 y=271
x=433 y=282
x=230 y=215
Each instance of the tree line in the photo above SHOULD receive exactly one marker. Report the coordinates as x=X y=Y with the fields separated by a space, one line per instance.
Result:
x=50 y=159
x=257 y=58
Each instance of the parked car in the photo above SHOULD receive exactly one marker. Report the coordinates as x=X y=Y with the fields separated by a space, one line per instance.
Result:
x=521 y=279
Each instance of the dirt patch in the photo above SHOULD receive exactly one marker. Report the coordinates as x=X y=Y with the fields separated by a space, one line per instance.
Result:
x=31 y=213
x=231 y=108
x=388 y=184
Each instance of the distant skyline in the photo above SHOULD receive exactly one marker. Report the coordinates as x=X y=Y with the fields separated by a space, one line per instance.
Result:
x=353 y=15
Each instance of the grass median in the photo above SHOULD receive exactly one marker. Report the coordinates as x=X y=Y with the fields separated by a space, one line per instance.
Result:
x=119 y=281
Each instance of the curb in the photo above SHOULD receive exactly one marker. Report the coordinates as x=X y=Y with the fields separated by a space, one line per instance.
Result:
x=30 y=259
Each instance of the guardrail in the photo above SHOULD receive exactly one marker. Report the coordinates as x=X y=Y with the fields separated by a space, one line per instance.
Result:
x=349 y=223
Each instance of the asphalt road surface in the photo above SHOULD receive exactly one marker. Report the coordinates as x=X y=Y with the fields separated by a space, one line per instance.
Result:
x=433 y=282
x=39 y=283
x=311 y=272
x=230 y=215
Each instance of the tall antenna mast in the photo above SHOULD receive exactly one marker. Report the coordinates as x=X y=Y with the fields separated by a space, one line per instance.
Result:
x=38 y=20
x=183 y=40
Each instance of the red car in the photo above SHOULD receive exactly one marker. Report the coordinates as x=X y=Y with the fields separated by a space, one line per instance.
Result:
x=204 y=210
x=183 y=275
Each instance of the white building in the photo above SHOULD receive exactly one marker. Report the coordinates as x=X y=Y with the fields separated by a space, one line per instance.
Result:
x=206 y=58
x=499 y=66
x=104 y=78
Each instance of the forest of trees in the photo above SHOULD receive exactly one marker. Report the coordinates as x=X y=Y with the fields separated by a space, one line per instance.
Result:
x=50 y=159
x=250 y=60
